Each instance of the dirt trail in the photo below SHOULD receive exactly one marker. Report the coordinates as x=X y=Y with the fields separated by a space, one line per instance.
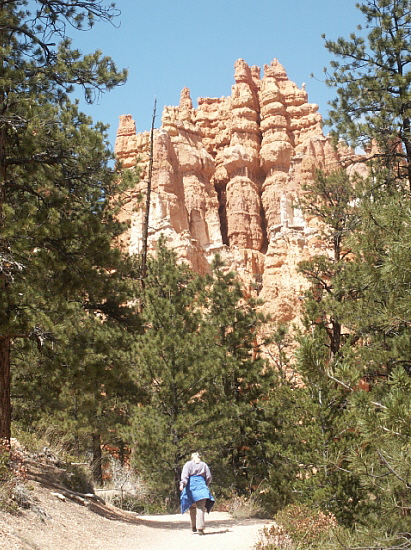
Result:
x=173 y=533
x=54 y=524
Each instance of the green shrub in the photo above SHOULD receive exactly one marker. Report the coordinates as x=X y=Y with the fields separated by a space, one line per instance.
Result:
x=369 y=537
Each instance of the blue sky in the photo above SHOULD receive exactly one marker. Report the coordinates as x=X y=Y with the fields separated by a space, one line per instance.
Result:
x=167 y=45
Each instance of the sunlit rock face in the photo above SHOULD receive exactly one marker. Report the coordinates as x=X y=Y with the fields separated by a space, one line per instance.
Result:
x=226 y=179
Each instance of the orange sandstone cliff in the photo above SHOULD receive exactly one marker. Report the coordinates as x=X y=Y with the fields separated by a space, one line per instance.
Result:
x=226 y=179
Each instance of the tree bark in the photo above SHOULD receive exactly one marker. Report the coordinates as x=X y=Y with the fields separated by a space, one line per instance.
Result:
x=5 y=340
x=97 y=457
x=5 y=381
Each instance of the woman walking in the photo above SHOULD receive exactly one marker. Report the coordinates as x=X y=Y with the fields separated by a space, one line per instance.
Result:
x=196 y=496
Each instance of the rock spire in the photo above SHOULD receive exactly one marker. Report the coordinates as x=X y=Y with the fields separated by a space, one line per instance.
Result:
x=226 y=179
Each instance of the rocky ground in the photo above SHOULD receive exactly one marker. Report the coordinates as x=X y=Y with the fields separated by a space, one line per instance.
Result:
x=56 y=519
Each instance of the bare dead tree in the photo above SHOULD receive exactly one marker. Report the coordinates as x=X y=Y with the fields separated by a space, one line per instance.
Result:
x=147 y=211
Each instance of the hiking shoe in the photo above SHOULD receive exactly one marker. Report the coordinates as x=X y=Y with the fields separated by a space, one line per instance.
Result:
x=201 y=531
x=194 y=530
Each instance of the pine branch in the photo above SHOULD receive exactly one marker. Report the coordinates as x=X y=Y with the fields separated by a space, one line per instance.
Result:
x=396 y=474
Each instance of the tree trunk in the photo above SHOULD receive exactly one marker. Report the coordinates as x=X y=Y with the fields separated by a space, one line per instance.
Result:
x=5 y=341
x=5 y=381
x=177 y=477
x=335 y=338
x=147 y=212
x=97 y=458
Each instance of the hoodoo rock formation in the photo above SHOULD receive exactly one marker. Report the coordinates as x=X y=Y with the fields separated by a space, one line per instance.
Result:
x=226 y=179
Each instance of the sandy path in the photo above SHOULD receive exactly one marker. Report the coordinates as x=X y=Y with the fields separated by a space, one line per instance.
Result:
x=173 y=533
x=64 y=525
x=54 y=519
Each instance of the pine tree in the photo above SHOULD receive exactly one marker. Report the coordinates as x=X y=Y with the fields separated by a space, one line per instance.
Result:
x=78 y=390
x=357 y=340
x=204 y=385
x=372 y=80
x=240 y=384
x=325 y=356
x=173 y=361
x=56 y=219
x=367 y=435
x=331 y=199
x=325 y=432
x=380 y=316
x=373 y=87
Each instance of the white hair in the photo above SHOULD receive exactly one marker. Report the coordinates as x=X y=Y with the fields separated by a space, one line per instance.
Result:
x=196 y=458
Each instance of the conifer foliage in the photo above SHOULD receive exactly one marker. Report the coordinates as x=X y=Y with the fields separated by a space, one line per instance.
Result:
x=239 y=383
x=172 y=363
x=360 y=385
x=56 y=229
x=200 y=376
x=326 y=347
x=371 y=75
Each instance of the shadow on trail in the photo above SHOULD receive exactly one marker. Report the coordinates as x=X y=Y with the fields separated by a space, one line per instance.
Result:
x=213 y=527
x=178 y=522
x=217 y=532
